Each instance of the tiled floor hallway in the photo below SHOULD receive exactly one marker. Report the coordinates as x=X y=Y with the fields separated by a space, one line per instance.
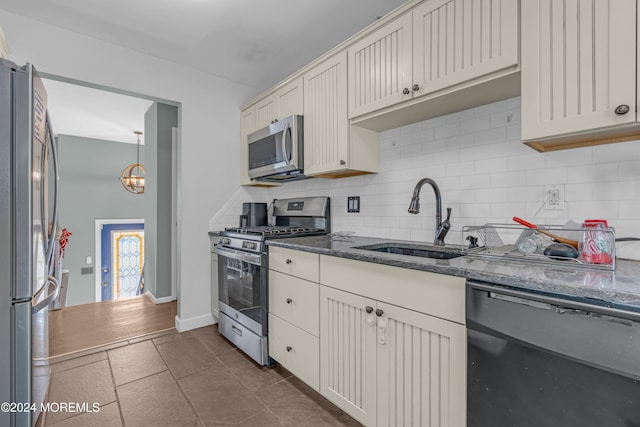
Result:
x=196 y=378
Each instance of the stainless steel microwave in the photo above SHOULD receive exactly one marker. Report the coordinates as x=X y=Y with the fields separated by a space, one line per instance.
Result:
x=276 y=151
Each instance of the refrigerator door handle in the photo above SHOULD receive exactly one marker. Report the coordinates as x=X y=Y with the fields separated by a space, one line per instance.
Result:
x=53 y=294
x=54 y=221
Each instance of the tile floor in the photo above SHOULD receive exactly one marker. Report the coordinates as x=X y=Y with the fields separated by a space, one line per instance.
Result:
x=195 y=378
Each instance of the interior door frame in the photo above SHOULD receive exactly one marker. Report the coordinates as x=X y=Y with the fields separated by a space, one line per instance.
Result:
x=98 y=249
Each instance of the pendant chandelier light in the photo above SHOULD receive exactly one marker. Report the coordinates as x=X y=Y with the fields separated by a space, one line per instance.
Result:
x=132 y=177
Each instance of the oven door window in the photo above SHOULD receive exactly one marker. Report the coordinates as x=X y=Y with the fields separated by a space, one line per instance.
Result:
x=241 y=286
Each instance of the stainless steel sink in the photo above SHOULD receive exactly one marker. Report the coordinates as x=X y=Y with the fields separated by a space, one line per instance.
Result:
x=423 y=251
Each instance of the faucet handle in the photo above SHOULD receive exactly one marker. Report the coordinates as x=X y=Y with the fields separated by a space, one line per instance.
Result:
x=448 y=214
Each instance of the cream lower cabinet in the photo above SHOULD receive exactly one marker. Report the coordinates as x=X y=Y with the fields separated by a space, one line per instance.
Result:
x=579 y=72
x=293 y=313
x=388 y=365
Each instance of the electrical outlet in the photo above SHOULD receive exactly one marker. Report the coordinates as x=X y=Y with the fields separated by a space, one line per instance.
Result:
x=554 y=197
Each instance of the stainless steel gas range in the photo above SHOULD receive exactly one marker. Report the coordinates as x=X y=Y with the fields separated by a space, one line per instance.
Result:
x=243 y=270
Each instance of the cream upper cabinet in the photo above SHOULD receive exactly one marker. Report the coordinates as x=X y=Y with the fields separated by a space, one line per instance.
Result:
x=247 y=125
x=459 y=40
x=578 y=71
x=379 y=67
x=284 y=102
x=331 y=146
x=440 y=44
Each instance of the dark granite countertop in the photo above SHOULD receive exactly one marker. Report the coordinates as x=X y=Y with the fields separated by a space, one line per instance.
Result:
x=617 y=289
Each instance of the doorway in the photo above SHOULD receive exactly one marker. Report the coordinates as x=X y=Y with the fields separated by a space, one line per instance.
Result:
x=119 y=245
x=122 y=260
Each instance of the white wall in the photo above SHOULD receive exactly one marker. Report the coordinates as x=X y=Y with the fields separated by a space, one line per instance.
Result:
x=485 y=174
x=209 y=126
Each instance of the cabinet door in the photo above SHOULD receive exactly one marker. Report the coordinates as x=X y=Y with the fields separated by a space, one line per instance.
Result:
x=247 y=125
x=421 y=369
x=379 y=68
x=458 y=40
x=347 y=353
x=266 y=112
x=295 y=300
x=578 y=65
x=295 y=349
x=326 y=126
x=305 y=265
x=290 y=99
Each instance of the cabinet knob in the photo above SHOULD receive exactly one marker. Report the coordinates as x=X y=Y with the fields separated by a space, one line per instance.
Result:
x=289 y=300
x=289 y=348
x=621 y=110
x=415 y=87
x=288 y=261
x=369 y=309
x=406 y=91
x=379 y=312
x=342 y=163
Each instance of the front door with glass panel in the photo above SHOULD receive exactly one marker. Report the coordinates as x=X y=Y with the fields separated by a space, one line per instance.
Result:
x=122 y=253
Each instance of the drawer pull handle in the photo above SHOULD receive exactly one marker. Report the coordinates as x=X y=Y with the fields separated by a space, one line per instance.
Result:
x=289 y=300
x=621 y=110
x=237 y=330
x=288 y=261
x=289 y=348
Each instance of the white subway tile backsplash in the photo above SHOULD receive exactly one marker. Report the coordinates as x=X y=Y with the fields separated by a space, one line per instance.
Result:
x=491 y=136
x=446 y=131
x=628 y=171
x=485 y=174
x=527 y=161
x=488 y=109
x=491 y=165
x=547 y=176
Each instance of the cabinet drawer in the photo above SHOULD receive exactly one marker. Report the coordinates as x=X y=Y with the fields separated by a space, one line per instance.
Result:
x=295 y=300
x=434 y=294
x=296 y=350
x=296 y=263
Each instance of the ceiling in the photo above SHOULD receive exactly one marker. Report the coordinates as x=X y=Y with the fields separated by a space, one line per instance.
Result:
x=93 y=113
x=253 y=42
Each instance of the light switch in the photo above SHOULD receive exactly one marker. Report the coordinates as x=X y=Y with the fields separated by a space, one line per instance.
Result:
x=88 y=260
x=353 y=204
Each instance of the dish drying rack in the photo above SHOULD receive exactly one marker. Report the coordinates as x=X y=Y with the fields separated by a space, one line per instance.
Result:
x=501 y=241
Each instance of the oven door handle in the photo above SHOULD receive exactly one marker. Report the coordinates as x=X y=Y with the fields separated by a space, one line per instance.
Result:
x=238 y=255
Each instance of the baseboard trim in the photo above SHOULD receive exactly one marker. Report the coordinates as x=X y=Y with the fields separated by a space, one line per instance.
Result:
x=183 y=325
x=159 y=300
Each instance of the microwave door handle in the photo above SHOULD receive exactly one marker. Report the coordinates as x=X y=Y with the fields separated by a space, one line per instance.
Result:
x=286 y=155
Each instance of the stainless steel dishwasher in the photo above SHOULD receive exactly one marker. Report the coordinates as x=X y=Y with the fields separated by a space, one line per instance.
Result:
x=538 y=361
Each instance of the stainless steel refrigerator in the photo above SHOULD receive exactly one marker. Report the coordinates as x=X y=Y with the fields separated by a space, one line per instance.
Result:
x=28 y=227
